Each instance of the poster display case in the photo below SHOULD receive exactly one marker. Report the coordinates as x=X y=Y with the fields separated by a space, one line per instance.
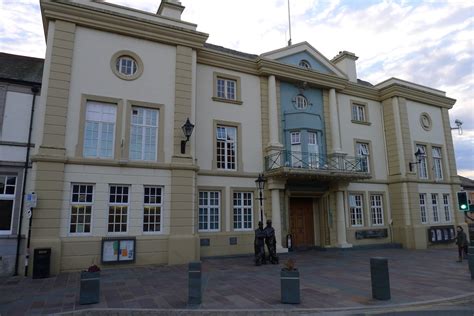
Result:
x=118 y=249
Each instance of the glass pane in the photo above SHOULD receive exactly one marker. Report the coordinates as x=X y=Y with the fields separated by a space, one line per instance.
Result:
x=6 y=212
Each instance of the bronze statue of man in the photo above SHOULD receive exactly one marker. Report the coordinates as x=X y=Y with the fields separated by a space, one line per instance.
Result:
x=270 y=241
x=259 y=245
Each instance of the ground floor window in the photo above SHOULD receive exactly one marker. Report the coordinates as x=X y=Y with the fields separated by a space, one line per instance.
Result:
x=376 y=209
x=434 y=205
x=424 y=220
x=118 y=208
x=152 y=209
x=209 y=209
x=243 y=210
x=355 y=204
x=447 y=209
x=82 y=199
x=7 y=201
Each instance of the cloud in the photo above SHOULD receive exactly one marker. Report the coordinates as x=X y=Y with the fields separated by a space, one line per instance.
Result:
x=427 y=42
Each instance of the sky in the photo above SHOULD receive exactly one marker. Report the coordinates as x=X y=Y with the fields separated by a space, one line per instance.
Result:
x=427 y=42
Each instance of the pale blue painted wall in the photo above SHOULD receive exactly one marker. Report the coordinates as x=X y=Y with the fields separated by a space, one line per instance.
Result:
x=309 y=120
x=296 y=58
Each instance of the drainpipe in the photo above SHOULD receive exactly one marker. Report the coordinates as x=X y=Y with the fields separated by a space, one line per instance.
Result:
x=35 y=90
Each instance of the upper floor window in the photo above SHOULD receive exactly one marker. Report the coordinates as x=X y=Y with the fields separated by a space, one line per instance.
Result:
x=99 y=130
x=82 y=199
x=304 y=64
x=301 y=102
x=437 y=165
x=423 y=216
x=7 y=201
x=126 y=65
x=356 y=209
x=296 y=155
x=422 y=165
x=226 y=89
x=226 y=147
x=362 y=151
x=143 y=134
x=358 y=112
x=313 y=149
x=209 y=210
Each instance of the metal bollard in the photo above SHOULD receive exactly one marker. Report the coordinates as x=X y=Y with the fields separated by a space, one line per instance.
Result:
x=194 y=283
x=380 y=278
x=470 y=260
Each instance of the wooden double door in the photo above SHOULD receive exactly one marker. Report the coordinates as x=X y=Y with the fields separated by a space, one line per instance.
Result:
x=302 y=222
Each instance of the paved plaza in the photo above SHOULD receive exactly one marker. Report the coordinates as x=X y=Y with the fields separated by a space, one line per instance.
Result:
x=332 y=280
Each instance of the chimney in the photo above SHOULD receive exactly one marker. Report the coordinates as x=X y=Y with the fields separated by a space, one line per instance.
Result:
x=346 y=61
x=170 y=9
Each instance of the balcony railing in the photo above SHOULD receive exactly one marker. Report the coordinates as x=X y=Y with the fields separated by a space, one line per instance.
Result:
x=305 y=160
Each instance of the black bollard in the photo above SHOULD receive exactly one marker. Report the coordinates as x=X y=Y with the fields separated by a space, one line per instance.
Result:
x=470 y=260
x=380 y=278
x=194 y=283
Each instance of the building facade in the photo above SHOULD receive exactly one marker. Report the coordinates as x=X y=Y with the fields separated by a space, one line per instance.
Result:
x=20 y=83
x=115 y=184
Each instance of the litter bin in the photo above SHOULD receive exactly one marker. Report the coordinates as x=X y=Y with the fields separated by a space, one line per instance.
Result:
x=41 y=263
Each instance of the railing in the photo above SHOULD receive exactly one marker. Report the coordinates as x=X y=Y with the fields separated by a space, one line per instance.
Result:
x=306 y=160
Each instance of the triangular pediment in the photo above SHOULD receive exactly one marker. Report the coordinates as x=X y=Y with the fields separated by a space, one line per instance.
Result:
x=304 y=51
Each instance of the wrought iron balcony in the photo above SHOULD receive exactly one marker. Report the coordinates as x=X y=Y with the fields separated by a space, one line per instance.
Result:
x=287 y=163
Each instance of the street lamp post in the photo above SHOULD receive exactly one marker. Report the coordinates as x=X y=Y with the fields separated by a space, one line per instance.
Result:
x=260 y=183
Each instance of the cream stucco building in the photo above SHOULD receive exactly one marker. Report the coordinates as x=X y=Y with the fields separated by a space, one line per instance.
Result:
x=113 y=183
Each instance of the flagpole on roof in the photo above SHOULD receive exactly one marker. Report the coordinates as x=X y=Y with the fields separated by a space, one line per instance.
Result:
x=289 y=22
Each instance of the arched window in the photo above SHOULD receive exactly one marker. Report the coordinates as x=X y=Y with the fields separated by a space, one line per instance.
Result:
x=301 y=102
x=304 y=64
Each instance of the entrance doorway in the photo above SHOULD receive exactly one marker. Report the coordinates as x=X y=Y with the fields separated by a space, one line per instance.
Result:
x=301 y=222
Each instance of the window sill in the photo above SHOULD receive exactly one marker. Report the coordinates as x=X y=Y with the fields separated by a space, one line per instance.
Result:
x=238 y=102
x=361 y=122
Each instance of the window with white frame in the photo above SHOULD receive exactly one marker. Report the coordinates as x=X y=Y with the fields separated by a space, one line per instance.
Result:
x=82 y=199
x=304 y=64
x=226 y=147
x=126 y=65
x=7 y=203
x=313 y=149
x=447 y=208
x=301 y=102
x=226 y=89
x=423 y=216
x=434 y=205
x=209 y=211
x=99 y=130
x=422 y=165
x=152 y=209
x=356 y=209
x=437 y=165
x=243 y=210
x=376 y=209
x=296 y=155
x=143 y=133
x=118 y=208
x=363 y=153
x=358 y=112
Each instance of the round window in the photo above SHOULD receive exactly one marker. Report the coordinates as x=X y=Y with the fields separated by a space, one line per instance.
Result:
x=305 y=64
x=301 y=102
x=126 y=65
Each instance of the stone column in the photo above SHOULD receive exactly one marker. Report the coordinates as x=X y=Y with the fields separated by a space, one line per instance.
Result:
x=341 y=221
x=273 y=111
x=275 y=188
x=336 y=139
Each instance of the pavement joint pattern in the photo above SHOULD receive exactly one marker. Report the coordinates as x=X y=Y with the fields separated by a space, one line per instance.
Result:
x=336 y=281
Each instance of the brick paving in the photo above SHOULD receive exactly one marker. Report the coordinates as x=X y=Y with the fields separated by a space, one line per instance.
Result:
x=329 y=279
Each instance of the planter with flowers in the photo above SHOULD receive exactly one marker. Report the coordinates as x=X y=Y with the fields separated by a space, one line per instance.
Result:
x=290 y=283
x=90 y=286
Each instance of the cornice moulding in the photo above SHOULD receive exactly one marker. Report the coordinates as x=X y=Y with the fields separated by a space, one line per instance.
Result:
x=125 y=25
x=397 y=90
x=222 y=60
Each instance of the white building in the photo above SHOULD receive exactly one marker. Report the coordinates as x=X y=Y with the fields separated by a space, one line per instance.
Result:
x=113 y=183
